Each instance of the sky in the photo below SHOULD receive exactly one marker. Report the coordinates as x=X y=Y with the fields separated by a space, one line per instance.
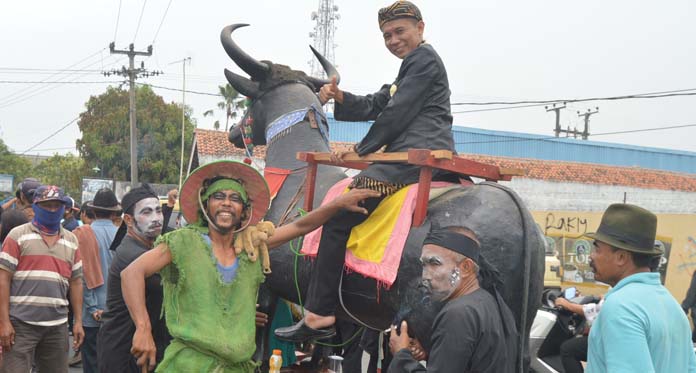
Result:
x=493 y=50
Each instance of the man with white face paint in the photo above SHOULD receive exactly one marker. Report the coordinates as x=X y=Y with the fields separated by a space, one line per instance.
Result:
x=142 y=224
x=474 y=331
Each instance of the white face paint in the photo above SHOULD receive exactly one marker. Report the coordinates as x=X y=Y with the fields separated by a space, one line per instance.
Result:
x=147 y=214
x=440 y=273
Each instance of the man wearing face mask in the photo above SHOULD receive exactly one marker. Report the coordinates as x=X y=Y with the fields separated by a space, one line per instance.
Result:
x=474 y=331
x=142 y=224
x=38 y=263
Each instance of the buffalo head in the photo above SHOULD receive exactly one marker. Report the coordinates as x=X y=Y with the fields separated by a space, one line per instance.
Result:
x=273 y=89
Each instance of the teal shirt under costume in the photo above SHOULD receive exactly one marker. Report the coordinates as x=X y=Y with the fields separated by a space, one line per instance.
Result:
x=641 y=328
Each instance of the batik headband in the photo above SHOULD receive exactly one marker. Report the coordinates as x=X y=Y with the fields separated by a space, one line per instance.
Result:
x=400 y=9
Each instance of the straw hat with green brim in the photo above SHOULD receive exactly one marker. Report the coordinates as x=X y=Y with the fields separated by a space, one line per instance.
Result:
x=258 y=194
x=628 y=227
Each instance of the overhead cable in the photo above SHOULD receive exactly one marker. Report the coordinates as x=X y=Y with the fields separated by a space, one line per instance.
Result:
x=161 y=22
x=51 y=135
x=139 y=20
x=554 y=138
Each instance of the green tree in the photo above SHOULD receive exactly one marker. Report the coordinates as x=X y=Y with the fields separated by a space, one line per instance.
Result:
x=66 y=171
x=105 y=135
x=13 y=164
x=232 y=103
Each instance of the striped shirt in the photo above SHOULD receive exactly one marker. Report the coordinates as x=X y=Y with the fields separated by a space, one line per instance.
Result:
x=40 y=274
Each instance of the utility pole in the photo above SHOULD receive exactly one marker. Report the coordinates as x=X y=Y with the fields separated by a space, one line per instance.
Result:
x=183 y=116
x=586 y=132
x=132 y=73
x=557 y=130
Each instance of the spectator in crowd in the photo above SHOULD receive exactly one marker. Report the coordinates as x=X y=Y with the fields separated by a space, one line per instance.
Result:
x=641 y=327
x=574 y=350
x=38 y=263
x=97 y=259
x=86 y=213
x=24 y=197
x=69 y=220
x=689 y=303
x=11 y=219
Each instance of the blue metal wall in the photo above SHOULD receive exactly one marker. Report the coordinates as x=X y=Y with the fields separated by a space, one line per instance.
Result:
x=523 y=145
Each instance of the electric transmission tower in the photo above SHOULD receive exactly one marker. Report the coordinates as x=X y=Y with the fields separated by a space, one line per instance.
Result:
x=323 y=35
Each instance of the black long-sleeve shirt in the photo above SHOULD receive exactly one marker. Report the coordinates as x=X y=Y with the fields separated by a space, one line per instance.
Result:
x=413 y=112
x=468 y=336
x=690 y=300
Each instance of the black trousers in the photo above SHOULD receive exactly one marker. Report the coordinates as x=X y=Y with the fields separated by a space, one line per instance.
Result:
x=322 y=295
x=573 y=351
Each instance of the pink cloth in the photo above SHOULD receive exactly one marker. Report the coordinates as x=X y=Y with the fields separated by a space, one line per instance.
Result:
x=384 y=272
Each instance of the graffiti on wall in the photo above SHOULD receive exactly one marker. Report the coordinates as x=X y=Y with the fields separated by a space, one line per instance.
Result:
x=565 y=238
x=566 y=224
x=688 y=257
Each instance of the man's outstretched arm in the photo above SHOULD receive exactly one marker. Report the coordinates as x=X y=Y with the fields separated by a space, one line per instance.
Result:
x=348 y=201
x=133 y=288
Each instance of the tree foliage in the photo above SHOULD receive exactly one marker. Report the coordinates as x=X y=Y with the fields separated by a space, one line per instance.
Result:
x=232 y=102
x=65 y=171
x=106 y=132
x=13 y=164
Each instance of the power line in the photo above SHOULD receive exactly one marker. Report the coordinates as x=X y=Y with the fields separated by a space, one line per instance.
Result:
x=58 y=82
x=51 y=135
x=637 y=95
x=34 y=90
x=496 y=109
x=543 y=103
x=142 y=11
x=553 y=138
x=180 y=90
x=34 y=69
x=118 y=17
x=161 y=22
x=73 y=65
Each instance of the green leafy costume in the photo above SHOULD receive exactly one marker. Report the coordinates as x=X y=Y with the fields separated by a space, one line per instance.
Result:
x=212 y=323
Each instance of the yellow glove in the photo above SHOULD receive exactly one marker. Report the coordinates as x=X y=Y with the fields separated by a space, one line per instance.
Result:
x=253 y=241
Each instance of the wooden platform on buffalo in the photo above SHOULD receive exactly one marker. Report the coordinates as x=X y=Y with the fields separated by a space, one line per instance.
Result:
x=426 y=159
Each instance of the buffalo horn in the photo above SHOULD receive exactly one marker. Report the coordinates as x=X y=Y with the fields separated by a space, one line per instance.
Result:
x=243 y=85
x=257 y=70
x=328 y=68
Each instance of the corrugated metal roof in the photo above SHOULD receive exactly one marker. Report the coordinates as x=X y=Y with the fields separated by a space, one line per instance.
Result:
x=525 y=145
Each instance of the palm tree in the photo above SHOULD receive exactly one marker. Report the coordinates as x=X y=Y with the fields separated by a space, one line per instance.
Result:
x=232 y=102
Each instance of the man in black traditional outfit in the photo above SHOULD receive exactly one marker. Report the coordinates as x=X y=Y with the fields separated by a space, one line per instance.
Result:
x=142 y=223
x=475 y=330
x=413 y=112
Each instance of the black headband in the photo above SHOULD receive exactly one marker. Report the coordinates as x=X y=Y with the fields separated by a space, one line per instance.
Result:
x=456 y=242
x=136 y=195
x=129 y=200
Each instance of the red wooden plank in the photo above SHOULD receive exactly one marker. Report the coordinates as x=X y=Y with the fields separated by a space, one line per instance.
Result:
x=310 y=182
x=456 y=164
x=426 y=175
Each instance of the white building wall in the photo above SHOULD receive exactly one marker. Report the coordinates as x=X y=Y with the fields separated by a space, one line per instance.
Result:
x=542 y=195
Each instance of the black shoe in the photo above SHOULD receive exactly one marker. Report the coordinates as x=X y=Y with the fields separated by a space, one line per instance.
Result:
x=300 y=332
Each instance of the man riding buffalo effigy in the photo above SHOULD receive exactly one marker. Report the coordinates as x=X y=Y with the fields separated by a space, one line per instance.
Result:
x=412 y=112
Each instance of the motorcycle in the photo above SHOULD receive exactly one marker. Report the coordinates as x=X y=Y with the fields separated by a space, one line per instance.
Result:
x=552 y=326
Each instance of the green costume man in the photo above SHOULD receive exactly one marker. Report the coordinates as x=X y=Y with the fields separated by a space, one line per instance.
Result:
x=211 y=272
x=210 y=288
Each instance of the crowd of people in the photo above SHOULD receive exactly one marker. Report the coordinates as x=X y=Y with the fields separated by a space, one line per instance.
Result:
x=135 y=295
